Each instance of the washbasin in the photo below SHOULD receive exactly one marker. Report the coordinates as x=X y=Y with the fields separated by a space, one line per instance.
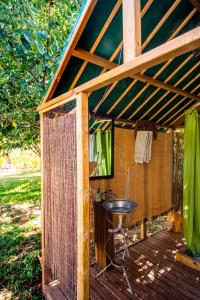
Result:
x=119 y=206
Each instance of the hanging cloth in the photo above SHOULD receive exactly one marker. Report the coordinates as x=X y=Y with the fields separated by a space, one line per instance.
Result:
x=143 y=144
x=93 y=148
x=191 y=182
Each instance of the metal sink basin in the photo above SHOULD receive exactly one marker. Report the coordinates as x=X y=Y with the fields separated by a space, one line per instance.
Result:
x=119 y=206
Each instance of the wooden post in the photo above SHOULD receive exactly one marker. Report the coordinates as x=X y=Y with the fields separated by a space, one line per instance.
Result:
x=83 y=252
x=42 y=204
x=101 y=236
x=131 y=29
x=143 y=230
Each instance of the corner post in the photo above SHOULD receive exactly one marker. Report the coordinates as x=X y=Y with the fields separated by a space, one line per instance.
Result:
x=82 y=197
x=42 y=204
x=131 y=29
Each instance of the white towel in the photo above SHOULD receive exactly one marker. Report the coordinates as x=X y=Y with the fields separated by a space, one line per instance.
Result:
x=143 y=144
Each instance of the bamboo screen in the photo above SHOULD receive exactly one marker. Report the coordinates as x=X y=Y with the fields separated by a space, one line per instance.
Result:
x=60 y=201
x=150 y=185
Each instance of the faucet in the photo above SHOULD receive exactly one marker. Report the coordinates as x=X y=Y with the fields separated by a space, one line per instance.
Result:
x=109 y=195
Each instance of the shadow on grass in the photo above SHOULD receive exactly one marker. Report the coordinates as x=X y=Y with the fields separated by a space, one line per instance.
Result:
x=20 y=271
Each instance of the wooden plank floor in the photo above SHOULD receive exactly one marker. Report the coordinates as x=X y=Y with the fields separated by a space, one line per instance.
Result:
x=153 y=273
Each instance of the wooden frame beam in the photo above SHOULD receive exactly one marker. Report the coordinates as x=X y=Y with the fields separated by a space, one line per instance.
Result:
x=88 y=9
x=92 y=58
x=180 y=45
x=83 y=224
x=180 y=27
x=44 y=279
x=131 y=29
x=97 y=41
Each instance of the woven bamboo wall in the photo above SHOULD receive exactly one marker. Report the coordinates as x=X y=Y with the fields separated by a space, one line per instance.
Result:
x=150 y=185
x=60 y=201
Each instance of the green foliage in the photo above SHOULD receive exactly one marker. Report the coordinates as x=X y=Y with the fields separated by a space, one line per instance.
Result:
x=21 y=159
x=20 y=272
x=32 y=35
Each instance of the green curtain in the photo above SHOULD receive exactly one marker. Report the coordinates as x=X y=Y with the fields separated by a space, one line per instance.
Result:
x=191 y=182
x=103 y=143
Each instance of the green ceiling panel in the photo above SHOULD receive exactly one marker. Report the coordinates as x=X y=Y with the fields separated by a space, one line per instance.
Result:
x=97 y=20
x=95 y=97
x=172 y=22
x=68 y=76
x=109 y=43
x=188 y=78
x=111 y=38
x=152 y=18
x=180 y=107
x=193 y=86
x=164 y=109
x=89 y=73
x=149 y=104
x=172 y=67
x=194 y=21
x=153 y=70
x=182 y=72
x=127 y=98
x=114 y=95
x=139 y=101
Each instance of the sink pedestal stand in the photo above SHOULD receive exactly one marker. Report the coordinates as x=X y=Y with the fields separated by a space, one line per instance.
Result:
x=120 y=228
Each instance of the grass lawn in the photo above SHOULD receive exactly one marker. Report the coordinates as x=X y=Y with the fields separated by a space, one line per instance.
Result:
x=20 y=272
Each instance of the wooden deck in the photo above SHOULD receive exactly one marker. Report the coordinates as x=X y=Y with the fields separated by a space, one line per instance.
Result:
x=153 y=273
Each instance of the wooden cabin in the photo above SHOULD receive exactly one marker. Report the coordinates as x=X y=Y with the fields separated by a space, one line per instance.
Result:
x=125 y=62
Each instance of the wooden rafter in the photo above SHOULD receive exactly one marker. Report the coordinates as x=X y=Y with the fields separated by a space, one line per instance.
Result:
x=122 y=96
x=89 y=7
x=178 y=46
x=180 y=80
x=174 y=34
x=172 y=99
x=83 y=222
x=151 y=81
x=146 y=7
x=180 y=119
x=131 y=29
x=165 y=86
x=146 y=86
x=156 y=91
x=161 y=22
x=182 y=108
x=180 y=101
x=97 y=41
x=143 y=12
x=161 y=70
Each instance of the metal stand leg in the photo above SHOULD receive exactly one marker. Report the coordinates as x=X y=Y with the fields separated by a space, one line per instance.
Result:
x=112 y=232
x=125 y=237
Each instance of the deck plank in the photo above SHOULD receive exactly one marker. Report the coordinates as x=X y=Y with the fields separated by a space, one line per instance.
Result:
x=153 y=273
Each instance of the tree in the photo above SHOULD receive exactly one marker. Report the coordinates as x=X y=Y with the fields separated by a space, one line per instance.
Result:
x=32 y=35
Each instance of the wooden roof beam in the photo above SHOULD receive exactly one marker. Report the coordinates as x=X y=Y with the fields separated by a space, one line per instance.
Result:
x=88 y=9
x=92 y=58
x=97 y=41
x=131 y=17
x=178 y=46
